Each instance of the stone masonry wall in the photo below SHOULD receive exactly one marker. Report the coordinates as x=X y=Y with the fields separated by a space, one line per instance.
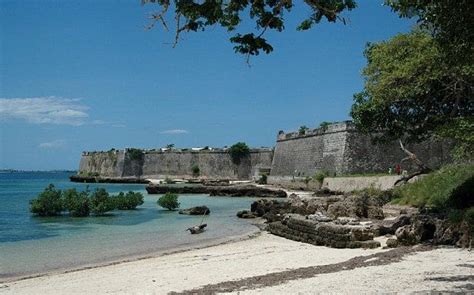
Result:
x=175 y=163
x=340 y=149
x=305 y=154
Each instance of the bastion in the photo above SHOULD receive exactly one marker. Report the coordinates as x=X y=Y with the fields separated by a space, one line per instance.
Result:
x=339 y=149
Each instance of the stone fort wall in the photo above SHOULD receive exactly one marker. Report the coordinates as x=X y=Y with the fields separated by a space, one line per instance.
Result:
x=174 y=163
x=340 y=149
x=337 y=149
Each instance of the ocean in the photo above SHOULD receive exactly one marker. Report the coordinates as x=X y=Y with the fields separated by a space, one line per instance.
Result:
x=31 y=245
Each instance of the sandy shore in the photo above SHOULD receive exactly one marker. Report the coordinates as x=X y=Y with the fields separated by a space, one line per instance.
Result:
x=268 y=264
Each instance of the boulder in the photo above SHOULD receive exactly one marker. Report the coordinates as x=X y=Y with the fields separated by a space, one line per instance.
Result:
x=198 y=210
x=392 y=243
x=389 y=226
x=420 y=230
x=246 y=214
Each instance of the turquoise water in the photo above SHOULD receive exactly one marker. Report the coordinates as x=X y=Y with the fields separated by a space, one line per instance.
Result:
x=31 y=245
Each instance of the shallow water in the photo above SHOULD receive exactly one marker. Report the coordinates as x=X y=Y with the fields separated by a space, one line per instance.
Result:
x=31 y=245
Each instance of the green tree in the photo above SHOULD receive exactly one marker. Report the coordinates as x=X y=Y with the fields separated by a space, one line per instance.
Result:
x=77 y=203
x=100 y=202
x=193 y=16
x=128 y=201
x=169 y=201
x=48 y=203
x=302 y=130
x=411 y=91
x=239 y=151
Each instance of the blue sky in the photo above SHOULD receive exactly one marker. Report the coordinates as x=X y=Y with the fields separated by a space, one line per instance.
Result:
x=85 y=75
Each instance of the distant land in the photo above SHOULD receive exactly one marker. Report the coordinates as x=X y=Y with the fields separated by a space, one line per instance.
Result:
x=44 y=171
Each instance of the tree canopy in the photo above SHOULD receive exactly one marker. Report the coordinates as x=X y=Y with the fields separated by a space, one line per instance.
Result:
x=193 y=16
x=410 y=89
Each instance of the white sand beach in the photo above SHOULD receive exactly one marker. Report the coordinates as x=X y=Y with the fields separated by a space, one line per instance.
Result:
x=268 y=264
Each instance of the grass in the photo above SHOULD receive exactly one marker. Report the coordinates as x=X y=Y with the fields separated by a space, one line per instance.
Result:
x=450 y=187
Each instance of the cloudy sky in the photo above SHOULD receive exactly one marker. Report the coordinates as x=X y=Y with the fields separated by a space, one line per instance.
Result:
x=85 y=75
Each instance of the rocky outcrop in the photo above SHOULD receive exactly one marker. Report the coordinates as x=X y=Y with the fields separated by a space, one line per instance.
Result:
x=226 y=190
x=298 y=228
x=246 y=214
x=429 y=228
x=198 y=210
x=357 y=206
x=389 y=226
x=98 y=179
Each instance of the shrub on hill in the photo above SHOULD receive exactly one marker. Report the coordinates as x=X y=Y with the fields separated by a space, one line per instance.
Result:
x=169 y=201
x=48 y=203
x=450 y=187
x=239 y=151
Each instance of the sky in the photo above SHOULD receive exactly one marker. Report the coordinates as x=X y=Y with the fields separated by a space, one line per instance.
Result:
x=85 y=75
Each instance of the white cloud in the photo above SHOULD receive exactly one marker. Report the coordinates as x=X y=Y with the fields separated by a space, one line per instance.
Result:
x=174 y=131
x=52 y=144
x=44 y=110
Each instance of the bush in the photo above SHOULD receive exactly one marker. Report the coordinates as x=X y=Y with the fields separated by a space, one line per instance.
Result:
x=303 y=130
x=128 y=201
x=263 y=179
x=100 y=202
x=169 y=201
x=239 y=151
x=135 y=154
x=196 y=171
x=48 y=203
x=77 y=203
x=449 y=187
x=319 y=177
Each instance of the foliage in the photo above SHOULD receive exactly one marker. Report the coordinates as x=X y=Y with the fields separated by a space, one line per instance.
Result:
x=319 y=176
x=324 y=125
x=268 y=15
x=461 y=130
x=410 y=89
x=135 y=154
x=48 y=203
x=239 y=151
x=263 y=179
x=77 y=203
x=449 y=187
x=469 y=217
x=128 y=201
x=450 y=23
x=376 y=194
x=195 y=169
x=302 y=130
x=170 y=146
x=169 y=201
x=100 y=202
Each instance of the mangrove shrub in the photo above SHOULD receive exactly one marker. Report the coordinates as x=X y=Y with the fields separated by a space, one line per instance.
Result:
x=169 y=201
x=101 y=202
x=128 y=201
x=48 y=203
x=77 y=203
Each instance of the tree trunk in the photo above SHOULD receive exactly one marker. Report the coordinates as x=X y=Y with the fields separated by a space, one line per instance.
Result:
x=422 y=168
